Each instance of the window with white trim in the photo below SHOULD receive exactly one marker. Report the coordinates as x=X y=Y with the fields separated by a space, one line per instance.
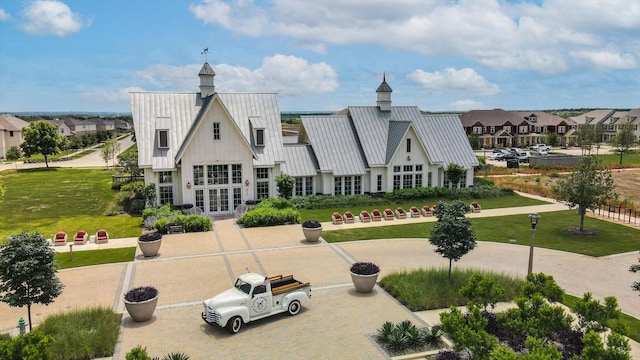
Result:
x=357 y=185
x=379 y=183
x=429 y=179
x=308 y=184
x=216 y=131
x=507 y=128
x=217 y=174
x=165 y=187
x=236 y=173
x=337 y=185
x=562 y=129
x=493 y=129
x=298 y=187
x=163 y=139
x=198 y=175
x=477 y=130
x=524 y=129
x=259 y=137
x=262 y=183
x=408 y=145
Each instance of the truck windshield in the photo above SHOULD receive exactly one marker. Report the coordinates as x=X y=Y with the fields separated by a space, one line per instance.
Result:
x=243 y=286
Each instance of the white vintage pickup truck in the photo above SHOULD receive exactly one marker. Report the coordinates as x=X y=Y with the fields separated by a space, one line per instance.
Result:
x=254 y=297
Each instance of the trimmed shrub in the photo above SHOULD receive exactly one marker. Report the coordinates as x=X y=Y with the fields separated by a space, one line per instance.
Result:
x=276 y=203
x=192 y=223
x=34 y=345
x=330 y=201
x=265 y=216
x=162 y=211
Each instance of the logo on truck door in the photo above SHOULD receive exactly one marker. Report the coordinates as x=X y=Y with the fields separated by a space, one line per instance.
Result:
x=259 y=305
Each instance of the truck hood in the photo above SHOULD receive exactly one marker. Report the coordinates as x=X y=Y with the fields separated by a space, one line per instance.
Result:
x=231 y=297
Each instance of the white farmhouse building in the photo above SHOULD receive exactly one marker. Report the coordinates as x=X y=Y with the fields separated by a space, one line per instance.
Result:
x=219 y=150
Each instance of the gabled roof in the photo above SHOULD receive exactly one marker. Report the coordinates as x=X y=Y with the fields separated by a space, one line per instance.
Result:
x=299 y=161
x=372 y=128
x=495 y=117
x=12 y=123
x=154 y=110
x=543 y=118
x=397 y=131
x=335 y=144
x=445 y=140
x=593 y=117
x=182 y=112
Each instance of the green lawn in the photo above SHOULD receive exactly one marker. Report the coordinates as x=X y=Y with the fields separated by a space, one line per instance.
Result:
x=614 y=159
x=490 y=203
x=61 y=199
x=612 y=238
x=95 y=257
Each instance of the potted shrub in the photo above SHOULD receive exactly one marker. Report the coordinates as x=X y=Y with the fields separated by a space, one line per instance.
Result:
x=149 y=243
x=312 y=230
x=364 y=276
x=141 y=302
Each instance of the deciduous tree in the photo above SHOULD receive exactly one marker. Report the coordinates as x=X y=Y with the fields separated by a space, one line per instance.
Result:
x=40 y=137
x=587 y=187
x=623 y=140
x=285 y=184
x=28 y=272
x=110 y=150
x=128 y=162
x=454 y=173
x=453 y=235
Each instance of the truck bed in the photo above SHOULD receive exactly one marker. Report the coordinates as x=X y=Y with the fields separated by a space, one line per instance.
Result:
x=281 y=284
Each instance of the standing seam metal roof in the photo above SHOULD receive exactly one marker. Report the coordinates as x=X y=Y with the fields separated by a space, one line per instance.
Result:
x=334 y=143
x=299 y=161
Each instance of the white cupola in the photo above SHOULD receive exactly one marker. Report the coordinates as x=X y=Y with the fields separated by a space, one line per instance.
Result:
x=384 y=95
x=207 y=88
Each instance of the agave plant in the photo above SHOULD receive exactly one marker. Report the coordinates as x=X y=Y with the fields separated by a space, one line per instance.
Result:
x=405 y=326
x=397 y=340
x=174 y=356
x=414 y=336
x=385 y=330
x=433 y=336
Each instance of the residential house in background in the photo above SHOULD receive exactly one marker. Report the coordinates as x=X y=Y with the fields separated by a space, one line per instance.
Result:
x=541 y=123
x=63 y=128
x=10 y=133
x=104 y=125
x=610 y=121
x=80 y=127
x=219 y=150
x=500 y=128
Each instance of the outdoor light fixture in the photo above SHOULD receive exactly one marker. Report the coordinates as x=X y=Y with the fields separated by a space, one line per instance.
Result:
x=188 y=184
x=534 y=218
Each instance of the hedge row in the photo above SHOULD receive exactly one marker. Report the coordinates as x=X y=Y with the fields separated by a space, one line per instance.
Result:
x=330 y=201
x=191 y=223
x=268 y=216
x=477 y=192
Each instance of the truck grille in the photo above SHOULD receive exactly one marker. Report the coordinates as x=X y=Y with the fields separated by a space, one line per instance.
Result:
x=212 y=317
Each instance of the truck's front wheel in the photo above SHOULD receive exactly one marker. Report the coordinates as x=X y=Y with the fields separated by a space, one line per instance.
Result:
x=234 y=325
x=294 y=307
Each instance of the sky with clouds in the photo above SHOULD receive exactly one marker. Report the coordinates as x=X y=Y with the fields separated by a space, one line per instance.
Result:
x=323 y=55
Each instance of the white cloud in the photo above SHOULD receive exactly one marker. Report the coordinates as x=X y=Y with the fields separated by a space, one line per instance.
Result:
x=466 y=81
x=467 y=105
x=287 y=75
x=109 y=96
x=527 y=35
x=51 y=17
x=3 y=15
x=606 y=59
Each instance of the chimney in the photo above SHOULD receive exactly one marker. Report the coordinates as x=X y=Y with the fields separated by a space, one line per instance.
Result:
x=384 y=95
x=206 y=81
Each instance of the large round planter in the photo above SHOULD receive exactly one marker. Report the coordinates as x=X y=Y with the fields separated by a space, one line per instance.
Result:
x=312 y=234
x=150 y=248
x=364 y=283
x=141 y=311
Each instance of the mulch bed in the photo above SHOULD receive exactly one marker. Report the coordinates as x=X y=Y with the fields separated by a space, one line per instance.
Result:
x=576 y=231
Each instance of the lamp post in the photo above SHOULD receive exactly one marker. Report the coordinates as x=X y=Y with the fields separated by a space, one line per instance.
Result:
x=534 y=217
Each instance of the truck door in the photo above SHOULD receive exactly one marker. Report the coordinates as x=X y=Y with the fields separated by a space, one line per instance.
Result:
x=260 y=301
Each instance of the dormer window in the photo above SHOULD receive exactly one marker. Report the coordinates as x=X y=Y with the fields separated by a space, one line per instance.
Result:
x=259 y=137
x=163 y=139
x=533 y=118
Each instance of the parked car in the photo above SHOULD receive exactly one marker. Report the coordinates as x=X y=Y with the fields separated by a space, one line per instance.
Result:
x=507 y=155
x=536 y=150
x=496 y=154
x=523 y=159
x=518 y=151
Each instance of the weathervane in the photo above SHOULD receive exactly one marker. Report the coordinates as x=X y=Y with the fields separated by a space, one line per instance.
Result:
x=204 y=52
